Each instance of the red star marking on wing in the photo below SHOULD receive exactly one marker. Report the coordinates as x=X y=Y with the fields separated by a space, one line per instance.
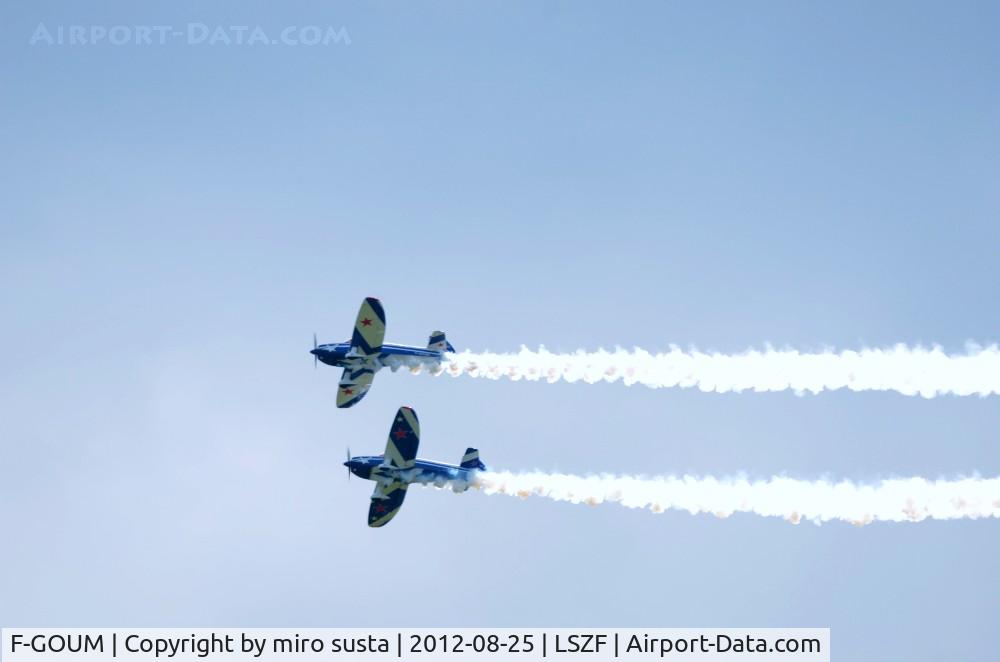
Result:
x=366 y=322
x=379 y=507
x=400 y=433
x=348 y=391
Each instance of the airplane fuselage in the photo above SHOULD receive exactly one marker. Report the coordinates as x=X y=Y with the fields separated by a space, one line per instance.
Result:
x=373 y=467
x=339 y=354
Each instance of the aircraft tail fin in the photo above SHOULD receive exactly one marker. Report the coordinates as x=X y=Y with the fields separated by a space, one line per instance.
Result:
x=439 y=343
x=471 y=460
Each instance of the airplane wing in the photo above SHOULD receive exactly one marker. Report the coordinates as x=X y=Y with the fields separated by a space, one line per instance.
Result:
x=369 y=328
x=401 y=453
x=354 y=384
x=386 y=502
x=404 y=437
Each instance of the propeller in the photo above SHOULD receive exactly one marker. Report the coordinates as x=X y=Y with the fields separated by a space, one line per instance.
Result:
x=315 y=356
x=348 y=459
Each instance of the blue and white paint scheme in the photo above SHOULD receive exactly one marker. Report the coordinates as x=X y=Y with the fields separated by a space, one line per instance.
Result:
x=396 y=469
x=365 y=353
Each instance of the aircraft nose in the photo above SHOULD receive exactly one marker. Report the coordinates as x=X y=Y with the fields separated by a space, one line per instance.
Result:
x=314 y=352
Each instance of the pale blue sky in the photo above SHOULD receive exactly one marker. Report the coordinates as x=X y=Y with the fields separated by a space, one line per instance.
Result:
x=178 y=220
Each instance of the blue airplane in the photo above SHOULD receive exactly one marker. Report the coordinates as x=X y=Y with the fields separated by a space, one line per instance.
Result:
x=365 y=354
x=398 y=468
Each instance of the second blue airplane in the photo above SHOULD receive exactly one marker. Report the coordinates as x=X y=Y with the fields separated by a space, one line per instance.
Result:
x=398 y=468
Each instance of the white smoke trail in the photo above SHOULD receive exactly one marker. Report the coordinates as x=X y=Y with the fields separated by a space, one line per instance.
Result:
x=908 y=370
x=893 y=500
